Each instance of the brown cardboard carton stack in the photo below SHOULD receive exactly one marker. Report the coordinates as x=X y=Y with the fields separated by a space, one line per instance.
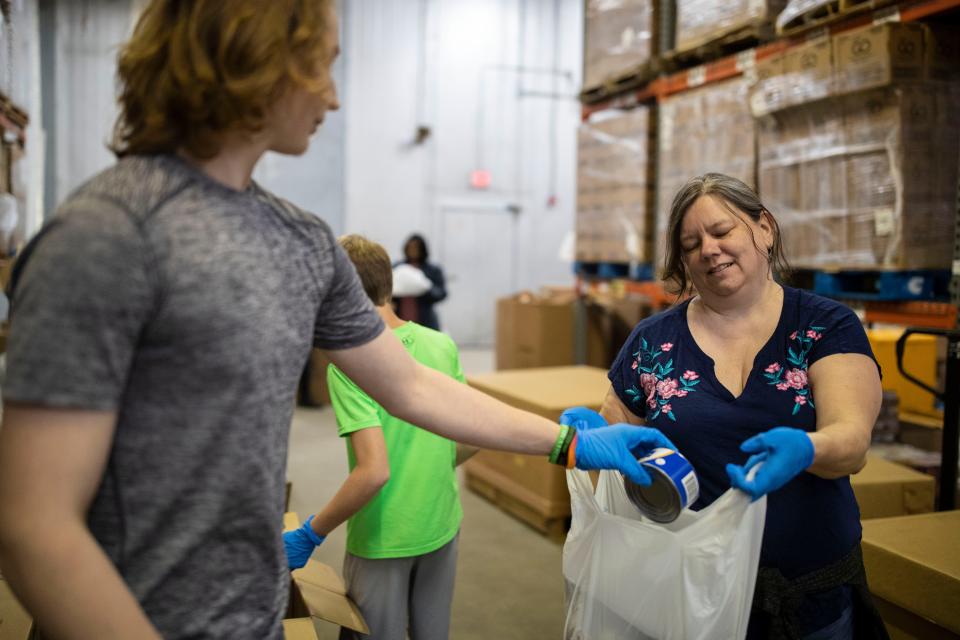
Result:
x=614 y=187
x=885 y=489
x=705 y=129
x=857 y=180
x=858 y=147
x=913 y=568
x=530 y=487
x=802 y=74
x=537 y=330
x=702 y=21
x=878 y=55
x=618 y=39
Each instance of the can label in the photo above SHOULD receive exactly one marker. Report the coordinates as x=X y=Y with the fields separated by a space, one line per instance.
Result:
x=674 y=486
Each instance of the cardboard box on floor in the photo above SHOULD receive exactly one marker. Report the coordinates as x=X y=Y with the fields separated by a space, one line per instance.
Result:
x=532 y=480
x=885 y=489
x=913 y=568
x=318 y=599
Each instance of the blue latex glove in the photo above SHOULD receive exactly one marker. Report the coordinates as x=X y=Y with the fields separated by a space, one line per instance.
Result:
x=784 y=451
x=582 y=418
x=618 y=447
x=300 y=544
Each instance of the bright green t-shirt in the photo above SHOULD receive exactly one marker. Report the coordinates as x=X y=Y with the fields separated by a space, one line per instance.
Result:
x=418 y=510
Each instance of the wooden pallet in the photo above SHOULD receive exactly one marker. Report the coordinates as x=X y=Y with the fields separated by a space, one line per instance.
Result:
x=826 y=13
x=554 y=528
x=692 y=55
x=623 y=83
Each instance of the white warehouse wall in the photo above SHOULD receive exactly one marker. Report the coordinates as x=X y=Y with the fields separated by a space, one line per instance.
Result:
x=494 y=80
x=496 y=84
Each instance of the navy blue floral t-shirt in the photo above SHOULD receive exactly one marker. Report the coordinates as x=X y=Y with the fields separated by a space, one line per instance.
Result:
x=662 y=375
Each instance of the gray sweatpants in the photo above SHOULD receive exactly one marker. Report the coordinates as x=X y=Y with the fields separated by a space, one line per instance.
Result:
x=401 y=595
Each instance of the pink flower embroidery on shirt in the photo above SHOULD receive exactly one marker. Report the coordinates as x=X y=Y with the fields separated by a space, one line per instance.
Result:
x=796 y=378
x=797 y=358
x=667 y=388
x=655 y=386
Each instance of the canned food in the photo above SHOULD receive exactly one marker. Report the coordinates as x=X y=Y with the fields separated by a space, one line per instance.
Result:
x=674 y=486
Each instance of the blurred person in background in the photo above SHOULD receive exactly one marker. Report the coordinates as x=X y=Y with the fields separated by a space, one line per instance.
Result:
x=159 y=324
x=419 y=308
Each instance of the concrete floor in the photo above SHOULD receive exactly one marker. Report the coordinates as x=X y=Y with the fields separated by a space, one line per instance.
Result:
x=509 y=582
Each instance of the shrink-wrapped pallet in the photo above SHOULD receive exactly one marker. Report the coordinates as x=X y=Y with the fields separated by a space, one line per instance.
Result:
x=614 y=188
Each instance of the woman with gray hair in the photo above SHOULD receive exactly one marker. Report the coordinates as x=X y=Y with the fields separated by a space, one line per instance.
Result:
x=747 y=370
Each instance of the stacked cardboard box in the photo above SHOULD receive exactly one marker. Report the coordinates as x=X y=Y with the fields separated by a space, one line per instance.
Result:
x=537 y=330
x=618 y=39
x=614 y=186
x=802 y=74
x=858 y=135
x=913 y=566
x=865 y=178
x=702 y=21
x=708 y=129
x=885 y=489
x=529 y=486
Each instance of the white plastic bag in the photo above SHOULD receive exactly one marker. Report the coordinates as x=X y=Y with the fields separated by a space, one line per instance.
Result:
x=630 y=577
x=409 y=281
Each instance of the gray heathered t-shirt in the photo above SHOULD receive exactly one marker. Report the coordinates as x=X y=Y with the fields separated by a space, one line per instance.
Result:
x=189 y=309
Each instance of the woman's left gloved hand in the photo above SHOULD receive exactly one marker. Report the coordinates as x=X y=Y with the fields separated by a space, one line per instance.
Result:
x=784 y=451
x=582 y=418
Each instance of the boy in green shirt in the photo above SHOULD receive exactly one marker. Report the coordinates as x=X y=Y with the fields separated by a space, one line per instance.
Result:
x=401 y=500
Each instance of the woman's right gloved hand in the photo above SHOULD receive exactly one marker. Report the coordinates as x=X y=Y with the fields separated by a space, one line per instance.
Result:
x=618 y=447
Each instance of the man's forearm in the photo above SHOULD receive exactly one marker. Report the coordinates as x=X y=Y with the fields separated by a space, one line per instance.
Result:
x=64 y=579
x=454 y=410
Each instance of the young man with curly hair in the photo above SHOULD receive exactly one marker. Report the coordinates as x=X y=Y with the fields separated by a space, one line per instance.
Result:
x=159 y=325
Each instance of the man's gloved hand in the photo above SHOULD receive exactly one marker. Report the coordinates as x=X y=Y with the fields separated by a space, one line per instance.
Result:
x=618 y=447
x=784 y=451
x=300 y=544
x=582 y=418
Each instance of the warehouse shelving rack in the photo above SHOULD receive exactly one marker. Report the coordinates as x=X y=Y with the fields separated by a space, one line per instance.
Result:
x=745 y=61
x=911 y=313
